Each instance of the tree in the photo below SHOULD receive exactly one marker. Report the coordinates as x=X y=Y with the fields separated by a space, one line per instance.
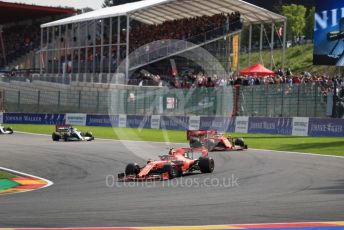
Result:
x=309 y=29
x=296 y=19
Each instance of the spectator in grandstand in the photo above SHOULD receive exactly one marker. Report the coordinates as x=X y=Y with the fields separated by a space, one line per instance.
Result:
x=184 y=29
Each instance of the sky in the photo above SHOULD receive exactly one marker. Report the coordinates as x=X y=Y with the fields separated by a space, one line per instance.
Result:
x=78 y=4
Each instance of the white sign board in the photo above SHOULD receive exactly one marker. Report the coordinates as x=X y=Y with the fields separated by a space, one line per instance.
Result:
x=300 y=126
x=194 y=122
x=155 y=121
x=1 y=118
x=122 y=122
x=241 y=124
x=76 y=119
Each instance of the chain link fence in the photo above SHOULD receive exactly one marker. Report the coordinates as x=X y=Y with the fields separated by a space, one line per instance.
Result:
x=304 y=100
x=134 y=101
x=266 y=100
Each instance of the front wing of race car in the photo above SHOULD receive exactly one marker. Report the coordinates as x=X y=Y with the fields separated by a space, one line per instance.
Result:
x=6 y=130
x=127 y=178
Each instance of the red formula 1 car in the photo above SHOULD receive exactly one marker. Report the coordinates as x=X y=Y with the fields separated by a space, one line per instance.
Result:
x=178 y=162
x=214 y=141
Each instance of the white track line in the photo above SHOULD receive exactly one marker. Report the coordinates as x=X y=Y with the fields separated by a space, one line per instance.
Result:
x=49 y=183
x=156 y=142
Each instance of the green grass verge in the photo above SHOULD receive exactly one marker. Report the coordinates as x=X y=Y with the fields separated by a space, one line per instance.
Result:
x=298 y=59
x=318 y=145
x=6 y=175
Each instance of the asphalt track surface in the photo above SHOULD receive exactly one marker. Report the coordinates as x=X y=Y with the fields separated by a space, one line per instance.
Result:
x=271 y=187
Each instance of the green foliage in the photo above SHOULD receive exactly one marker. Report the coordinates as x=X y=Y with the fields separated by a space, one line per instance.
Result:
x=309 y=29
x=296 y=19
x=298 y=58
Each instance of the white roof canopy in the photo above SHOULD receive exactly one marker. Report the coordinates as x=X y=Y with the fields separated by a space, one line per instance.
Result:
x=158 y=11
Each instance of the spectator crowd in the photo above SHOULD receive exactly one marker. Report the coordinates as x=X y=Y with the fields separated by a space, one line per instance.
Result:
x=200 y=80
x=17 y=44
x=184 y=29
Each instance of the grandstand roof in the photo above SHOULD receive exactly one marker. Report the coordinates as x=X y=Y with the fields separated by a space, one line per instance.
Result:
x=13 y=12
x=158 y=11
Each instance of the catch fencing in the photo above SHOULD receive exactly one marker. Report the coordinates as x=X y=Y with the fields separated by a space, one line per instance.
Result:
x=305 y=100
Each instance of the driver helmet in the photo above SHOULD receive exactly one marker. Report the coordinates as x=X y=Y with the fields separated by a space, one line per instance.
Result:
x=171 y=152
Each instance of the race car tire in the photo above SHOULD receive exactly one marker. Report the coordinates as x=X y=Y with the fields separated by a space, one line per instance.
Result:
x=66 y=136
x=56 y=136
x=171 y=170
x=239 y=142
x=9 y=130
x=132 y=169
x=206 y=164
x=195 y=143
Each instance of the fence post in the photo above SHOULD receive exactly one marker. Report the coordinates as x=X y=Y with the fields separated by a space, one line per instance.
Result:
x=79 y=102
x=334 y=111
x=315 y=101
x=266 y=100
x=144 y=101
x=298 y=101
x=18 y=105
x=98 y=100
x=282 y=102
x=252 y=102
x=38 y=100
x=58 y=100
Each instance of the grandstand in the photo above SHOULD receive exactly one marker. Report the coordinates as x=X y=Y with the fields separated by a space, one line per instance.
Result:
x=20 y=32
x=96 y=45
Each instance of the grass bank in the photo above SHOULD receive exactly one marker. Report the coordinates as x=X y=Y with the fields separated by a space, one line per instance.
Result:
x=299 y=58
x=317 y=145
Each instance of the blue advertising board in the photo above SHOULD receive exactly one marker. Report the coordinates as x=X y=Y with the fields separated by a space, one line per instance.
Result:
x=134 y=121
x=326 y=127
x=174 y=122
x=32 y=118
x=102 y=120
x=329 y=33
x=264 y=125
x=221 y=124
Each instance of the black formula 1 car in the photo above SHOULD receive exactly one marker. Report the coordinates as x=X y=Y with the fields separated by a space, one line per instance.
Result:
x=5 y=130
x=68 y=133
x=178 y=162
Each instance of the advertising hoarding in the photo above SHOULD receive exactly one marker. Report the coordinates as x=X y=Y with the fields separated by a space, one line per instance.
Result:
x=329 y=33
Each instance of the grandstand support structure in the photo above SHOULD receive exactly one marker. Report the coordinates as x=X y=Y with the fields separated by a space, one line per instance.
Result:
x=2 y=99
x=71 y=45
x=3 y=51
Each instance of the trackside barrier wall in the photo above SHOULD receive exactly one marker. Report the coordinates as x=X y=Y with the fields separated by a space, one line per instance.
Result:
x=297 y=126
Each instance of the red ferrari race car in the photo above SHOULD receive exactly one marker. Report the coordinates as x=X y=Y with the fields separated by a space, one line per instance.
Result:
x=178 y=162
x=214 y=141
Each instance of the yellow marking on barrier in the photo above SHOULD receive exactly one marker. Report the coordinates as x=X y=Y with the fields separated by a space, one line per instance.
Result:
x=13 y=190
x=206 y=227
x=338 y=223
x=29 y=182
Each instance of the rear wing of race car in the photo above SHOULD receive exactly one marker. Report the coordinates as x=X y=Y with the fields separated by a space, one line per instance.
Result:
x=200 y=133
x=62 y=128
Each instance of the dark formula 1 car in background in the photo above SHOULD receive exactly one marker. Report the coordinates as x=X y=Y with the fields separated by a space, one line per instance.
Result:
x=5 y=130
x=214 y=141
x=68 y=133
x=178 y=162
